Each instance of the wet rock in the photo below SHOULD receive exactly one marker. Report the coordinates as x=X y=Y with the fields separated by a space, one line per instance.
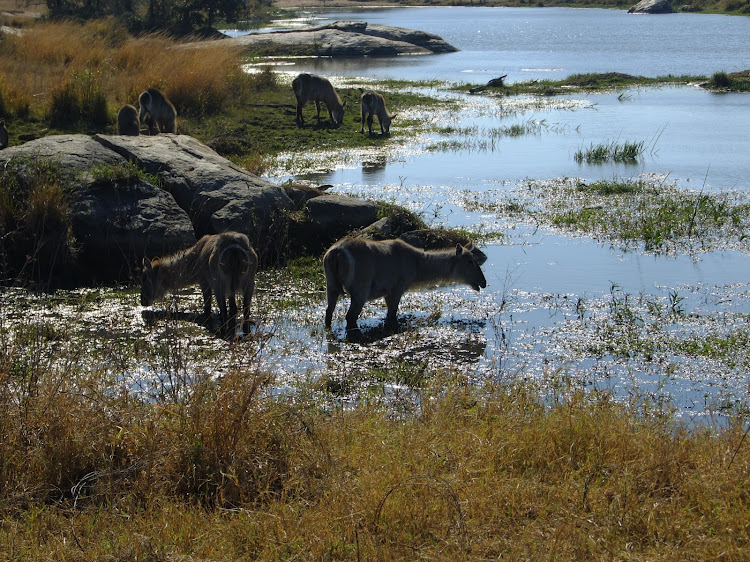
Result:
x=345 y=39
x=336 y=215
x=651 y=7
x=216 y=194
x=117 y=225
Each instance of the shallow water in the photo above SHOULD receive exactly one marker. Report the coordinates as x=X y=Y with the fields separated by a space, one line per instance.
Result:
x=560 y=311
x=553 y=299
x=527 y=43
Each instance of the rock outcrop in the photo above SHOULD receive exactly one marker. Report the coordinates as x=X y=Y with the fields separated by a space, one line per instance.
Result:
x=345 y=39
x=118 y=215
x=651 y=7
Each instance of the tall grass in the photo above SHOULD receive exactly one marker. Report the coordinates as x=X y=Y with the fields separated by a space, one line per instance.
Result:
x=41 y=66
x=220 y=469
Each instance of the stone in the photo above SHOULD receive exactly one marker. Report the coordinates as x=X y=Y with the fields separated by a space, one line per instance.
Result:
x=344 y=39
x=216 y=194
x=651 y=7
x=117 y=225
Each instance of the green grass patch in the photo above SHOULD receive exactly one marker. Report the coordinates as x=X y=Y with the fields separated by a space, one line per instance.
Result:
x=594 y=82
x=732 y=82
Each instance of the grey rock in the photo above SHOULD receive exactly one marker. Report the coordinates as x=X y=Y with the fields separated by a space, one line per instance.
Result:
x=216 y=194
x=334 y=216
x=651 y=7
x=345 y=39
x=73 y=155
x=118 y=225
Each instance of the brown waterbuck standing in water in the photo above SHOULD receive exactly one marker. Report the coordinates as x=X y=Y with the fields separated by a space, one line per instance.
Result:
x=224 y=264
x=369 y=269
x=311 y=87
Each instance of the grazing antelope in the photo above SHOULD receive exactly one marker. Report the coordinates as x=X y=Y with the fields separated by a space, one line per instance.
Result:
x=369 y=269
x=3 y=135
x=224 y=264
x=128 y=122
x=371 y=104
x=310 y=87
x=157 y=112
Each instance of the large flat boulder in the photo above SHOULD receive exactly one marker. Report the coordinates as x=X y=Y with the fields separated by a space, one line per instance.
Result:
x=116 y=219
x=345 y=39
x=216 y=194
x=73 y=155
x=651 y=7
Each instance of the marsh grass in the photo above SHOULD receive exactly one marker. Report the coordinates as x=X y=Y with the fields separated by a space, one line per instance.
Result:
x=661 y=217
x=593 y=82
x=627 y=152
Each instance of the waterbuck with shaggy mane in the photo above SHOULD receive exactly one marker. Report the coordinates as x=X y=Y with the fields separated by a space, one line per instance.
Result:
x=311 y=87
x=223 y=264
x=371 y=104
x=157 y=112
x=369 y=269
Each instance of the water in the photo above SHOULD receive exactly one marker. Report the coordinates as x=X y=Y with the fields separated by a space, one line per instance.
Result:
x=554 y=299
x=527 y=43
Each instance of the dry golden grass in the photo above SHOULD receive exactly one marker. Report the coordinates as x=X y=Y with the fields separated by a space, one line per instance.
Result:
x=223 y=471
x=46 y=57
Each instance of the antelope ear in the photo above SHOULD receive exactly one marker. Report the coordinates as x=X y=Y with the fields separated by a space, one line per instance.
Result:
x=147 y=264
x=459 y=249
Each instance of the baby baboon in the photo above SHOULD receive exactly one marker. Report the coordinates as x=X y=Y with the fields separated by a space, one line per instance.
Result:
x=3 y=134
x=128 y=122
x=157 y=112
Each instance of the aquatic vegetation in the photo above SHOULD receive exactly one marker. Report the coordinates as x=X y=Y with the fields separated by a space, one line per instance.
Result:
x=644 y=211
x=733 y=82
x=628 y=152
x=592 y=82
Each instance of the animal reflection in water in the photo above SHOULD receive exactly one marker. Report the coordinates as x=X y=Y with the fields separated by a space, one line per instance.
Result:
x=223 y=264
x=367 y=270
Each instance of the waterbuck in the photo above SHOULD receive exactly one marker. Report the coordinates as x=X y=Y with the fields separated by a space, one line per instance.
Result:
x=371 y=104
x=157 y=112
x=311 y=87
x=369 y=269
x=127 y=121
x=224 y=264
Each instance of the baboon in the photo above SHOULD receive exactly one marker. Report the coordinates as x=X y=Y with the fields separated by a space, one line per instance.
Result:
x=128 y=122
x=3 y=135
x=157 y=112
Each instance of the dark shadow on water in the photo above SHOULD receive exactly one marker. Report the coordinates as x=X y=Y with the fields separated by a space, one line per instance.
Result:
x=211 y=323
